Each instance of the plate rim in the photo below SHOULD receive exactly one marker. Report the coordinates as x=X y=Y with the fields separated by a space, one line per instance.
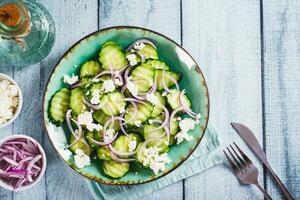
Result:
x=124 y=183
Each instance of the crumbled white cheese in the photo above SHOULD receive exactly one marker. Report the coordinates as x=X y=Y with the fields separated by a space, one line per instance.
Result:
x=131 y=87
x=121 y=109
x=178 y=118
x=9 y=100
x=109 y=135
x=139 y=46
x=132 y=145
x=108 y=86
x=137 y=123
x=86 y=118
x=95 y=97
x=157 y=162
x=152 y=99
x=118 y=82
x=81 y=160
x=70 y=79
x=150 y=121
x=132 y=59
x=185 y=126
x=96 y=80
x=165 y=93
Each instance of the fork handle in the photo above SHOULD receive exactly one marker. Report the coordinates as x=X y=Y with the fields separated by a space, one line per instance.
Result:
x=267 y=196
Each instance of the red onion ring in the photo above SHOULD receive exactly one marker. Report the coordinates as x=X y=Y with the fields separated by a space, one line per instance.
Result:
x=164 y=83
x=30 y=165
x=92 y=106
x=165 y=122
x=150 y=140
x=122 y=127
x=142 y=56
x=186 y=109
x=135 y=110
x=116 y=158
x=174 y=113
x=76 y=85
x=78 y=136
x=144 y=40
x=68 y=120
x=120 y=153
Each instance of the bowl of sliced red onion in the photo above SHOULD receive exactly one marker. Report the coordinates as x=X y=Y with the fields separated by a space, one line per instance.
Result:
x=22 y=162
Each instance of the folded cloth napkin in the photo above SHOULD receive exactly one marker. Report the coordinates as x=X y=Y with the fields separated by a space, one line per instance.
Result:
x=205 y=156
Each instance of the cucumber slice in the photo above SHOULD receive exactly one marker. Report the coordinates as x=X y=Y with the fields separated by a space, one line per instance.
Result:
x=59 y=105
x=122 y=143
x=157 y=109
x=173 y=99
x=111 y=56
x=144 y=113
x=168 y=81
x=103 y=153
x=157 y=64
x=91 y=89
x=101 y=117
x=94 y=135
x=143 y=77
x=76 y=100
x=162 y=143
x=149 y=52
x=174 y=127
x=114 y=105
x=81 y=144
x=115 y=169
x=90 y=69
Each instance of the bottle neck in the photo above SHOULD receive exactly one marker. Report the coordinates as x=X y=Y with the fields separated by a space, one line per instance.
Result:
x=14 y=20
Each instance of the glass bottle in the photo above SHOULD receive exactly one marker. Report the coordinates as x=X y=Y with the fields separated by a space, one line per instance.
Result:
x=27 y=32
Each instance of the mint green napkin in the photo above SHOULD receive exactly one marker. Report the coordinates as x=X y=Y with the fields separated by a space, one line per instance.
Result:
x=205 y=156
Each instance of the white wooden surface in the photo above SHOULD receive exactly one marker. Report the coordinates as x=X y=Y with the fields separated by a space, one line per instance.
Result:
x=252 y=69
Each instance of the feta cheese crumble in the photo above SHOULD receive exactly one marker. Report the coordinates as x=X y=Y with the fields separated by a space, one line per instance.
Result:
x=185 y=126
x=86 y=119
x=108 y=86
x=9 y=100
x=118 y=82
x=95 y=97
x=132 y=145
x=81 y=160
x=131 y=87
x=139 y=46
x=137 y=123
x=164 y=94
x=132 y=59
x=109 y=135
x=157 y=162
x=152 y=99
x=70 y=79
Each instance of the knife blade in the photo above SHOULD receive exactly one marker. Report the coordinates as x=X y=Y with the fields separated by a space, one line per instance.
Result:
x=248 y=136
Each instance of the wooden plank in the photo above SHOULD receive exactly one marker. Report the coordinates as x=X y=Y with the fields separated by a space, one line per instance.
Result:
x=74 y=19
x=282 y=91
x=224 y=37
x=161 y=16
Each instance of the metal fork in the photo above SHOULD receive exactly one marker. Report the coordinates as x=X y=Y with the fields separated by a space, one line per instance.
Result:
x=243 y=168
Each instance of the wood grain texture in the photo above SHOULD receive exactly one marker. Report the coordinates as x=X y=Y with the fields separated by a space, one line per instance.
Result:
x=161 y=16
x=224 y=38
x=282 y=91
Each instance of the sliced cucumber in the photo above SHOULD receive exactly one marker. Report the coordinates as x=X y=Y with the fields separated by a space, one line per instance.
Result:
x=101 y=117
x=76 y=100
x=143 y=77
x=95 y=135
x=115 y=169
x=59 y=105
x=122 y=142
x=91 y=89
x=144 y=113
x=103 y=153
x=149 y=52
x=168 y=81
x=81 y=144
x=157 y=110
x=162 y=144
x=111 y=56
x=173 y=99
x=157 y=64
x=174 y=127
x=90 y=69
x=114 y=104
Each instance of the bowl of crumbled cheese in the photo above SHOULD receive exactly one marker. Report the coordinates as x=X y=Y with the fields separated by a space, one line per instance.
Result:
x=10 y=100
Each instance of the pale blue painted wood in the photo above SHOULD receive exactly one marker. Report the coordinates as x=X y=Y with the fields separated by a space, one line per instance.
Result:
x=224 y=38
x=282 y=91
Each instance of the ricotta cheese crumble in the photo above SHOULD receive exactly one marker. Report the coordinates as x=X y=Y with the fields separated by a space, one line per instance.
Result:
x=70 y=79
x=9 y=100
x=81 y=160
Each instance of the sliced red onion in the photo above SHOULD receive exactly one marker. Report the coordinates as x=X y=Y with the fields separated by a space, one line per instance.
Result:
x=122 y=126
x=134 y=100
x=186 y=109
x=150 y=140
x=10 y=161
x=76 y=85
x=29 y=167
x=79 y=136
x=116 y=158
x=142 y=56
x=92 y=106
x=164 y=83
x=119 y=153
x=135 y=112
x=166 y=121
x=145 y=41
x=68 y=120
x=105 y=72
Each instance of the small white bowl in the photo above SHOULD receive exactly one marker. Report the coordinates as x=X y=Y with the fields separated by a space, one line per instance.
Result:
x=18 y=110
x=43 y=168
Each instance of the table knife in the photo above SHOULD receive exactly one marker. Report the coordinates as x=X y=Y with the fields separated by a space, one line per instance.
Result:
x=248 y=136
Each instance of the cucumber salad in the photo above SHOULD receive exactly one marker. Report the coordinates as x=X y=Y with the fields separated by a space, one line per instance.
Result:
x=127 y=107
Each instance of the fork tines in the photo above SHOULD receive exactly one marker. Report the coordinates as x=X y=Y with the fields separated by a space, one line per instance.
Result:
x=238 y=161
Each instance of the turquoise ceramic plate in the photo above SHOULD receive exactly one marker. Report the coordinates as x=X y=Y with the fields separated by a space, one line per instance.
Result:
x=170 y=52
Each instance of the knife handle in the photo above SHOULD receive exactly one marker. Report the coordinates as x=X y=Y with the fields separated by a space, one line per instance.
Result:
x=281 y=185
